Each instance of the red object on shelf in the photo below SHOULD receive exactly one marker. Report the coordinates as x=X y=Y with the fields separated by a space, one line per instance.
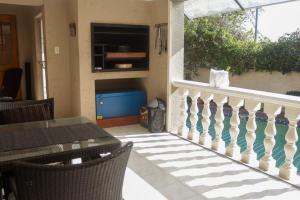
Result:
x=118 y=121
x=119 y=55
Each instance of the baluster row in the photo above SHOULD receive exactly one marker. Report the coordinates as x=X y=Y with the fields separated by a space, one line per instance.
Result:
x=266 y=163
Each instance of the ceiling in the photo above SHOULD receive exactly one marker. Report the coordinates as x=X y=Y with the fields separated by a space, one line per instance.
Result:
x=201 y=8
x=23 y=2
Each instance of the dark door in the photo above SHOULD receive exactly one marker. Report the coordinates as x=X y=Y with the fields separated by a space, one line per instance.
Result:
x=8 y=44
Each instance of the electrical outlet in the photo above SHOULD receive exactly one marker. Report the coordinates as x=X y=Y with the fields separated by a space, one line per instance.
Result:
x=56 y=50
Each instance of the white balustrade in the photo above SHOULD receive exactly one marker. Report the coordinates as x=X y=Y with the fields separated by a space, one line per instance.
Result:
x=182 y=129
x=252 y=101
x=267 y=160
x=236 y=104
x=217 y=143
x=204 y=138
x=249 y=155
x=288 y=170
x=194 y=95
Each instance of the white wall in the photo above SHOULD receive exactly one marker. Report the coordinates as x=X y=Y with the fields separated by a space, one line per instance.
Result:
x=56 y=14
x=265 y=81
x=176 y=64
x=158 y=73
x=119 y=12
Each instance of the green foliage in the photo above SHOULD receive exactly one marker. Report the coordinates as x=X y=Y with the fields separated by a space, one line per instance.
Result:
x=283 y=55
x=293 y=93
x=222 y=42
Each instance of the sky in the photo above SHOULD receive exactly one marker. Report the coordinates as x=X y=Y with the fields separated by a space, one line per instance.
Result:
x=278 y=19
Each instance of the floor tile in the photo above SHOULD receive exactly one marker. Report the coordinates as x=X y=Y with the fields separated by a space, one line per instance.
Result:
x=164 y=166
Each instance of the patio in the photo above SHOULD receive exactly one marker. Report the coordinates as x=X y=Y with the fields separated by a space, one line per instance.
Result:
x=206 y=153
x=164 y=166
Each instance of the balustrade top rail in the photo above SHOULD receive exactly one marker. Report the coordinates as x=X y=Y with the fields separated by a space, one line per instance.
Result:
x=272 y=104
x=260 y=96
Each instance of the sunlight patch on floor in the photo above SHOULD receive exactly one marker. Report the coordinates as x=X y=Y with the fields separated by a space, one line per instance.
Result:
x=189 y=163
x=135 y=188
x=168 y=149
x=174 y=156
x=148 y=139
x=228 y=192
x=165 y=143
x=206 y=170
x=146 y=135
x=215 y=181
x=290 y=195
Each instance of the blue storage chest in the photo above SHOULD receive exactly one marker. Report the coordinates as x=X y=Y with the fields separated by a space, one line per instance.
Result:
x=119 y=103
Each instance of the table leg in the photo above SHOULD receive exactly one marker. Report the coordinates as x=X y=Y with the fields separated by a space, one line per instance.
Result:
x=1 y=186
x=5 y=184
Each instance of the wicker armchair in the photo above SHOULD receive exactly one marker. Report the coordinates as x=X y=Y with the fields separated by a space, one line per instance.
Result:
x=100 y=179
x=17 y=104
x=11 y=83
x=26 y=111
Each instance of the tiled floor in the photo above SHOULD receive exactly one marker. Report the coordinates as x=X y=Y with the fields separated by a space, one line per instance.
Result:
x=163 y=166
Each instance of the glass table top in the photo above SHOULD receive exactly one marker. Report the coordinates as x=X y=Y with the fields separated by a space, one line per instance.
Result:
x=44 y=124
x=103 y=139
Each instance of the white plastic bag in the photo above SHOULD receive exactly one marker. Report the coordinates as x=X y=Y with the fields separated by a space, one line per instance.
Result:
x=219 y=78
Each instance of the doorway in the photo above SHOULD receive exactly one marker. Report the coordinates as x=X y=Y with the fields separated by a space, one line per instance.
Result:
x=41 y=82
x=9 y=57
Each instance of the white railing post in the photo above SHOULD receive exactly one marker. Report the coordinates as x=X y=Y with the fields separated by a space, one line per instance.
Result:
x=232 y=149
x=267 y=161
x=288 y=170
x=194 y=95
x=217 y=143
x=204 y=138
x=182 y=129
x=248 y=156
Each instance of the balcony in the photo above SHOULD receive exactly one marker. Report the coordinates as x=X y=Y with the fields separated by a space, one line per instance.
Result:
x=166 y=166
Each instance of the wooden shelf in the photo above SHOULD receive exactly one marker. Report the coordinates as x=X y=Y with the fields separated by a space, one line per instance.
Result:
x=118 y=33
x=120 y=69
x=127 y=55
x=119 y=121
x=118 y=74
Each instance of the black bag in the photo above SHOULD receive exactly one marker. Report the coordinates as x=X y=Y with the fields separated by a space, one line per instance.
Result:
x=156 y=116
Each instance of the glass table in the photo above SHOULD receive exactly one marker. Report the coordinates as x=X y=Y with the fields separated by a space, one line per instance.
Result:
x=53 y=140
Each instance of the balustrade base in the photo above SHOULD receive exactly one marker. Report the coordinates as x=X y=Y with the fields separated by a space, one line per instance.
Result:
x=218 y=146
x=249 y=158
x=190 y=135
x=182 y=132
x=287 y=172
x=267 y=164
x=205 y=140
x=233 y=152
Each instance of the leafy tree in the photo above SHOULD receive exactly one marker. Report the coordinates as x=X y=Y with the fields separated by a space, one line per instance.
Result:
x=215 y=42
x=224 y=42
x=283 y=55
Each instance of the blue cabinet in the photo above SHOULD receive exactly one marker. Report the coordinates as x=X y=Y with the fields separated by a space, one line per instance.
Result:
x=119 y=104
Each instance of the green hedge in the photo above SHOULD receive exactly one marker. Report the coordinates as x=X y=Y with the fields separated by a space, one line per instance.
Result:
x=220 y=42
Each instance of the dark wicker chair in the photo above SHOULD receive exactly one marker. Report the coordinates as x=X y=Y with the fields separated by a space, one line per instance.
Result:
x=26 y=111
x=99 y=179
x=11 y=83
